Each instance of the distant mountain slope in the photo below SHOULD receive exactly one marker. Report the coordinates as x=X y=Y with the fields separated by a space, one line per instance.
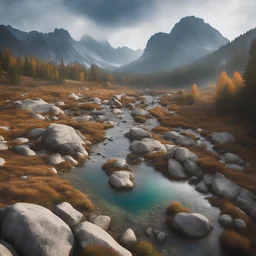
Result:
x=190 y=39
x=59 y=45
x=231 y=57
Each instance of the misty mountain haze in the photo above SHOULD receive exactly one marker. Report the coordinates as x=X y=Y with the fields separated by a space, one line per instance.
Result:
x=58 y=45
x=190 y=39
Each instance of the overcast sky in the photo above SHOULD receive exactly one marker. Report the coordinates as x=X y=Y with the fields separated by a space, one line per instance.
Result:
x=126 y=22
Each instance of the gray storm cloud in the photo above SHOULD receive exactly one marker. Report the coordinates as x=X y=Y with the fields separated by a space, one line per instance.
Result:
x=125 y=22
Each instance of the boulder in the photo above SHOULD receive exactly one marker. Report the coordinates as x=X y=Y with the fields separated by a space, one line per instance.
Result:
x=6 y=249
x=172 y=135
x=224 y=187
x=21 y=140
x=231 y=158
x=240 y=224
x=70 y=159
x=73 y=96
x=245 y=200
x=202 y=187
x=120 y=163
x=117 y=111
x=102 y=221
x=115 y=102
x=60 y=103
x=147 y=145
x=3 y=146
x=140 y=112
x=2 y=138
x=34 y=230
x=130 y=105
x=208 y=179
x=185 y=141
x=235 y=166
x=171 y=149
x=122 y=180
x=176 y=170
x=149 y=232
x=221 y=138
x=54 y=118
x=24 y=150
x=182 y=154
x=68 y=214
x=137 y=133
x=40 y=106
x=95 y=100
x=128 y=238
x=191 y=224
x=194 y=180
x=84 y=118
x=87 y=234
x=2 y=162
x=6 y=128
x=63 y=139
x=192 y=169
x=36 y=133
x=55 y=159
x=226 y=220
x=38 y=116
x=161 y=237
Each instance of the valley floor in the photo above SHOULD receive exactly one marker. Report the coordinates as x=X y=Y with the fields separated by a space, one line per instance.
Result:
x=35 y=174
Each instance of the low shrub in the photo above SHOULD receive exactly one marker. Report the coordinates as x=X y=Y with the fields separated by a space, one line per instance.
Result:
x=158 y=112
x=235 y=244
x=160 y=129
x=140 y=119
x=144 y=248
x=93 y=250
x=176 y=207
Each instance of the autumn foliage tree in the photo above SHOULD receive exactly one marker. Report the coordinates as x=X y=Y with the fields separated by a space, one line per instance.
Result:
x=194 y=90
x=237 y=79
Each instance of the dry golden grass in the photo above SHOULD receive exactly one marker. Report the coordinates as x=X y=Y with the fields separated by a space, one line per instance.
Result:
x=158 y=161
x=158 y=112
x=174 y=107
x=144 y=248
x=92 y=250
x=43 y=186
x=140 y=119
x=235 y=244
x=227 y=207
x=160 y=129
x=165 y=100
x=189 y=134
x=126 y=100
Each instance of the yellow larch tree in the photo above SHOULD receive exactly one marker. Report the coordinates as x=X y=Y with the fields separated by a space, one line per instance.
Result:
x=222 y=81
x=237 y=79
x=195 y=93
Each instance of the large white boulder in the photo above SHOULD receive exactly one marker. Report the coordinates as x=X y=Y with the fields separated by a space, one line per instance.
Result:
x=24 y=150
x=34 y=230
x=137 y=133
x=192 y=169
x=147 y=145
x=40 y=106
x=84 y=118
x=102 y=221
x=191 y=224
x=87 y=234
x=55 y=159
x=176 y=170
x=122 y=180
x=95 y=100
x=128 y=238
x=224 y=187
x=2 y=161
x=120 y=163
x=68 y=214
x=63 y=139
x=6 y=249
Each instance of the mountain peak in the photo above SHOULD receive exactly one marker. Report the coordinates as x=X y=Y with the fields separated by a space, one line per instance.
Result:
x=61 y=33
